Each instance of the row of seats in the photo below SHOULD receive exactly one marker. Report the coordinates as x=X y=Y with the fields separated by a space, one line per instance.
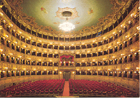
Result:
x=46 y=87
x=94 y=88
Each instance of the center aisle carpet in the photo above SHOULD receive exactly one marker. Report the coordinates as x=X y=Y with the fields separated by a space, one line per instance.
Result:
x=66 y=89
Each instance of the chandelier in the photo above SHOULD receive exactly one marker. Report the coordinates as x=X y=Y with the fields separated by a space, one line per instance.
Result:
x=66 y=26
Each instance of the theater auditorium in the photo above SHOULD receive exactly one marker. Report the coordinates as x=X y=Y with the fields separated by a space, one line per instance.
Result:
x=69 y=48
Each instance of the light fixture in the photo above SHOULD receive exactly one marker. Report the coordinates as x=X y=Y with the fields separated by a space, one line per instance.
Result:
x=66 y=26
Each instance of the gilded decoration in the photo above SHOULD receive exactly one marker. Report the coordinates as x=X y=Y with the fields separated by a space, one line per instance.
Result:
x=90 y=11
x=104 y=22
x=44 y=10
x=72 y=10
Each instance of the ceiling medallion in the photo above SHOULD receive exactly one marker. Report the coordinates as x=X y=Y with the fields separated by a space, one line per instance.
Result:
x=66 y=26
x=70 y=13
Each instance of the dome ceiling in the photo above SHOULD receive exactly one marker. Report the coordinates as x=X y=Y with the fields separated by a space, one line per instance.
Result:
x=47 y=15
x=84 y=12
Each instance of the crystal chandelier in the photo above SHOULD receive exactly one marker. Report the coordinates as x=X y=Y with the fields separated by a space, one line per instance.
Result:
x=66 y=26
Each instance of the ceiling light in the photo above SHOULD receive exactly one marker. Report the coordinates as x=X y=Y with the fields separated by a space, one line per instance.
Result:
x=66 y=26
x=1 y=50
x=138 y=28
x=129 y=22
x=132 y=15
x=1 y=14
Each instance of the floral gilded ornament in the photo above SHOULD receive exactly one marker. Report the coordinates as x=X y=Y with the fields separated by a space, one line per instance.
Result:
x=61 y=10
x=44 y=10
x=15 y=7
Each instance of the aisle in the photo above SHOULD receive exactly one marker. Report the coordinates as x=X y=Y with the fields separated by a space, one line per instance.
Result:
x=66 y=89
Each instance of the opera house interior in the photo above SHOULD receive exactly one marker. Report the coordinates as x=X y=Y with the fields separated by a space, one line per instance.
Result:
x=69 y=48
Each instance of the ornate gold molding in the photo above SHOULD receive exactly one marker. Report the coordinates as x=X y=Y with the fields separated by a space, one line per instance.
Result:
x=72 y=10
x=104 y=22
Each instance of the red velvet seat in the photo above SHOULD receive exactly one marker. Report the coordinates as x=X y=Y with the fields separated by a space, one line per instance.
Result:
x=37 y=91
x=51 y=91
x=38 y=87
x=46 y=91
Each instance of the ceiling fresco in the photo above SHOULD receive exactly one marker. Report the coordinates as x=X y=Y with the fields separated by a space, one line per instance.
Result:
x=49 y=12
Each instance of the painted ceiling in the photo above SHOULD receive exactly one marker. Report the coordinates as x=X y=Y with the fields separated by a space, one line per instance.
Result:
x=84 y=12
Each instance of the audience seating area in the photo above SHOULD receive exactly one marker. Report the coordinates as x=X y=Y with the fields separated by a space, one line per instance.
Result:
x=38 y=88
x=94 y=88
x=55 y=87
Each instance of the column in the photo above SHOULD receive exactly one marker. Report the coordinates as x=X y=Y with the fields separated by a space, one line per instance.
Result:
x=41 y=72
x=35 y=72
x=5 y=73
x=113 y=61
x=122 y=73
x=9 y=59
x=53 y=63
x=53 y=55
x=15 y=60
x=107 y=73
x=102 y=52
x=58 y=47
x=19 y=73
x=103 y=63
x=133 y=74
x=9 y=73
x=35 y=63
x=91 y=72
x=117 y=60
x=47 y=72
x=0 y=74
x=102 y=73
x=25 y=73
x=52 y=72
x=10 y=45
x=133 y=57
x=108 y=51
x=97 y=53
x=122 y=59
x=64 y=47
x=4 y=41
x=97 y=63
x=128 y=58
x=97 y=72
x=14 y=73
x=47 y=47
x=4 y=57
x=86 y=72
x=0 y=56
x=128 y=43
x=30 y=72
x=19 y=61
x=128 y=74
x=64 y=63
x=113 y=73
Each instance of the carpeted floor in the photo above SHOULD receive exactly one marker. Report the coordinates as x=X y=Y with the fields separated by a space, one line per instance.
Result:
x=66 y=89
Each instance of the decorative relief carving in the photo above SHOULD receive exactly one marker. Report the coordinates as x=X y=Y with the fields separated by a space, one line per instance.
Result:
x=104 y=22
x=72 y=10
